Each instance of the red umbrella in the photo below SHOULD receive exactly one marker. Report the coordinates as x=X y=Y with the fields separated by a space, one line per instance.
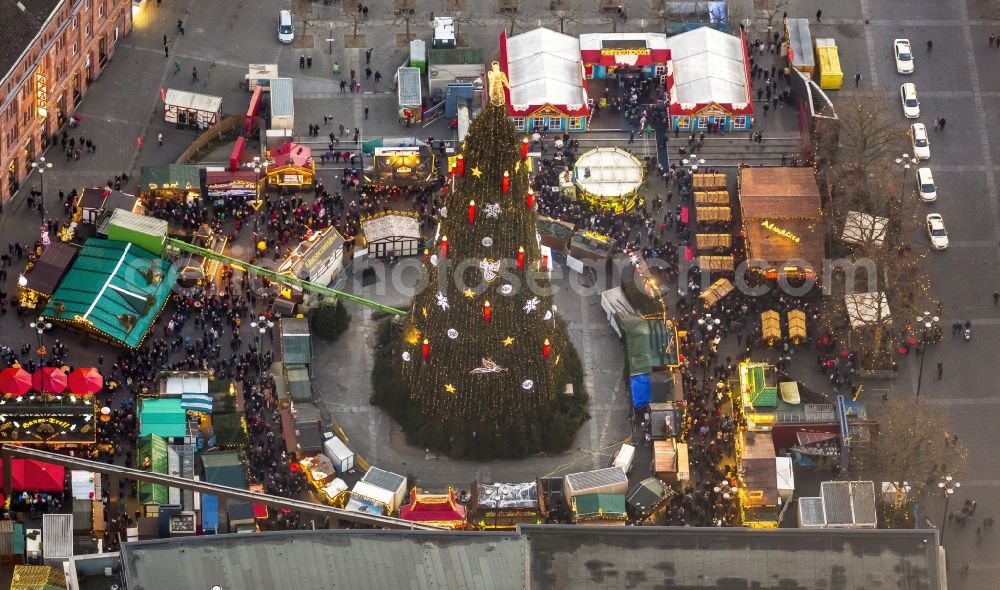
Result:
x=15 y=380
x=48 y=380
x=85 y=381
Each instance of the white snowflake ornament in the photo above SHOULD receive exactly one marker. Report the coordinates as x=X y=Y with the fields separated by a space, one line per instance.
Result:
x=492 y=210
x=442 y=301
x=531 y=305
x=506 y=289
x=406 y=356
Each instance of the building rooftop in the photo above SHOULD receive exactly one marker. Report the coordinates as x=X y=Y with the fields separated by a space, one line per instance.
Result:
x=23 y=21
x=539 y=557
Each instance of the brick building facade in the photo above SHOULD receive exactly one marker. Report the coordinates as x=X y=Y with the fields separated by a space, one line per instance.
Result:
x=50 y=53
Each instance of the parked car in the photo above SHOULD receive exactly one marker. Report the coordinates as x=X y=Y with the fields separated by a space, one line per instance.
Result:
x=904 y=57
x=286 y=29
x=925 y=185
x=908 y=96
x=936 y=231
x=921 y=144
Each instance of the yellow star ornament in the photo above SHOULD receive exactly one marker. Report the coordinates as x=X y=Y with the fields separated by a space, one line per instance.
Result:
x=476 y=171
x=469 y=293
x=449 y=388
x=509 y=340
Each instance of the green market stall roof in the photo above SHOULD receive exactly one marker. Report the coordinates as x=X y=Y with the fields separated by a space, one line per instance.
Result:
x=113 y=289
x=225 y=469
x=152 y=455
x=650 y=344
x=170 y=176
x=163 y=417
x=599 y=507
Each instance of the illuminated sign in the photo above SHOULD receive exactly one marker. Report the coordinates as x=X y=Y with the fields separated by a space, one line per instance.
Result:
x=626 y=51
x=781 y=232
x=41 y=95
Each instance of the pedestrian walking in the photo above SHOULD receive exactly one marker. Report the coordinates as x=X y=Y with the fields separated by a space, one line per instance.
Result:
x=819 y=16
x=177 y=66
x=368 y=55
x=940 y=370
x=857 y=79
x=164 y=39
x=368 y=73
x=194 y=74
x=942 y=122
x=378 y=76
x=767 y=107
x=166 y=51
x=937 y=124
x=180 y=26
x=138 y=143
x=366 y=112
x=996 y=298
x=992 y=39
x=930 y=46
x=159 y=138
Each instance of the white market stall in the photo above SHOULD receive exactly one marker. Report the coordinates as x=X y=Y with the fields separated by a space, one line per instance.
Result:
x=609 y=178
x=862 y=228
x=395 y=232
x=191 y=109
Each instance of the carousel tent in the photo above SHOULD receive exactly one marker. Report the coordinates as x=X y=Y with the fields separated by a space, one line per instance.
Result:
x=861 y=228
x=394 y=231
x=608 y=172
x=865 y=309
x=113 y=289
x=50 y=268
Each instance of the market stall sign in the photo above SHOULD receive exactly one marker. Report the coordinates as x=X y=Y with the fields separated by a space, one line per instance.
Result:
x=48 y=424
x=626 y=51
x=780 y=231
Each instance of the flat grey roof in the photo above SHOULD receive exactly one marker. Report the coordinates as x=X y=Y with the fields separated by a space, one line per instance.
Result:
x=542 y=557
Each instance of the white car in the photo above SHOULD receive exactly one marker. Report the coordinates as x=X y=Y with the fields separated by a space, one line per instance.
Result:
x=904 y=56
x=925 y=185
x=908 y=96
x=921 y=145
x=286 y=29
x=936 y=231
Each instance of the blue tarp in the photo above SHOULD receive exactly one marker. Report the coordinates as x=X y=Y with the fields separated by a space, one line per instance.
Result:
x=209 y=514
x=641 y=391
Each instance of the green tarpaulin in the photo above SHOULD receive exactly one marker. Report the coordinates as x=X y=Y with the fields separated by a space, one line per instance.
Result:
x=598 y=506
x=115 y=289
x=163 y=417
x=225 y=469
x=169 y=176
x=649 y=344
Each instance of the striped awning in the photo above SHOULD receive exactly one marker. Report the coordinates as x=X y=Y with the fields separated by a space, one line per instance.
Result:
x=196 y=402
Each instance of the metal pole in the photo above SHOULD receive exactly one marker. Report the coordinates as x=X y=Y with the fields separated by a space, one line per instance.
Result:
x=944 y=517
x=923 y=355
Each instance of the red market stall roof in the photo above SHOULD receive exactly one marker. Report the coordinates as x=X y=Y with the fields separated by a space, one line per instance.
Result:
x=293 y=154
x=35 y=476
x=624 y=49
x=544 y=71
x=709 y=67
x=253 y=109
x=438 y=509
x=237 y=154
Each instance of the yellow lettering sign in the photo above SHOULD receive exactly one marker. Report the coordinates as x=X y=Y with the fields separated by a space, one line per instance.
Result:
x=781 y=232
x=626 y=51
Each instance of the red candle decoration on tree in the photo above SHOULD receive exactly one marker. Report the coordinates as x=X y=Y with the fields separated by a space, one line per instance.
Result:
x=487 y=312
x=451 y=168
x=472 y=212
x=506 y=182
x=530 y=198
x=524 y=148
x=444 y=246
x=546 y=349
x=520 y=258
x=460 y=161
x=427 y=255
x=425 y=350
x=545 y=263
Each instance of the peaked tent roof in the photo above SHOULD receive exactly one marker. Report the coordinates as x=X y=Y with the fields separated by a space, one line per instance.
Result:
x=152 y=455
x=648 y=344
x=599 y=507
x=51 y=267
x=708 y=66
x=438 y=509
x=37 y=577
x=543 y=67
x=115 y=288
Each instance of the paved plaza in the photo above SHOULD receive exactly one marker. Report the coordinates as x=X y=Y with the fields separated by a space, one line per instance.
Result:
x=956 y=80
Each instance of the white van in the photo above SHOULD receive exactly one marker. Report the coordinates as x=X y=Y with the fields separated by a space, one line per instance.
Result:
x=286 y=30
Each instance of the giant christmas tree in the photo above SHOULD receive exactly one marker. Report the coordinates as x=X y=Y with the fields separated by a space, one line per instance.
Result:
x=482 y=357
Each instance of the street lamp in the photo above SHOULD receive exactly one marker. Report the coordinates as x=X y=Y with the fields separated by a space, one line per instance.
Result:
x=928 y=325
x=724 y=488
x=947 y=485
x=41 y=326
x=905 y=163
x=692 y=162
x=262 y=325
x=41 y=165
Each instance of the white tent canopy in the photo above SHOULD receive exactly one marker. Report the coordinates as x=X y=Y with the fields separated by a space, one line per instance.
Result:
x=708 y=66
x=608 y=172
x=861 y=228
x=865 y=309
x=543 y=66
x=193 y=102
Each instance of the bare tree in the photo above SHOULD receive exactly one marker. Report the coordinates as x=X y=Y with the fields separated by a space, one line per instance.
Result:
x=772 y=16
x=355 y=19
x=869 y=134
x=405 y=16
x=462 y=17
x=564 y=16
x=912 y=451
x=614 y=11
